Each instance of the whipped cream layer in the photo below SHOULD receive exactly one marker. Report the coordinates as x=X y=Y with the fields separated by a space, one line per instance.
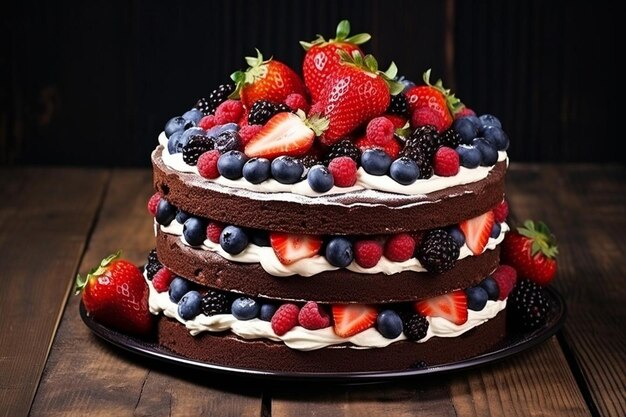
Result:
x=365 y=181
x=316 y=264
x=302 y=339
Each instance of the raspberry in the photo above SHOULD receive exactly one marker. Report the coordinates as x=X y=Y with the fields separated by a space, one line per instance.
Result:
x=312 y=317
x=285 y=318
x=207 y=122
x=297 y=101
x=379 y=131
x=400 y=247
x=243 y=120
x=162 y=280
x=247 y=132
x=213 y=231
x=207 y=164
x=397 y=120
x=464 y=112
x=317 y=108
x=153 y=203
x=228 y=112
x=425 y=116
x=367 y=253
x=506 y=278
x=446 y=162
x=343 y=170
x=501 y=212
x=391 y=148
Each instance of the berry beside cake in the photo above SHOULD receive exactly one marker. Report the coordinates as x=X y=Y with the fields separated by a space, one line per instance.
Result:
x=347 y=220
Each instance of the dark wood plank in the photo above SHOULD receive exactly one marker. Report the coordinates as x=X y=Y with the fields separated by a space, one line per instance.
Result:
x=104 y=380
x=586 y=209
x=45 y=218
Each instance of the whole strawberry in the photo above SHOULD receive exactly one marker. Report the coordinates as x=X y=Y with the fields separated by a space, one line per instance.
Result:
x=435 y=97
x=268 y=80
x=354 y=94
x=531 y=250
x=321 y=59
x=116 y=295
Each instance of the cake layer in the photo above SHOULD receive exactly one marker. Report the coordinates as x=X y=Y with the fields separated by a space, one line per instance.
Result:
x=340 y=286
x=227 y=349
x=362 y=212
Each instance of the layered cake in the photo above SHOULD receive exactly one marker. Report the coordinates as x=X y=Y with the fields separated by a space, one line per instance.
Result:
x=348 y=220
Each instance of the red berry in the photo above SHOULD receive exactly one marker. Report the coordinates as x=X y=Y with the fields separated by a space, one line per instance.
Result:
x=229 y=111
x=392 y=148
x=285 y=318
x=207 y=122
x=446 y=162
x=424 y=116
x=400 y=247
x=464 y=112
x=213 y=231
x=247 y=132
x=343 y=170
x=367 y=253
x=316 y=108
x=312 y=317
x=207 y=164
x=297 y=101
x=501 y=212
x=153 y=203
x=162 y=280
x=398 y=121
x=379 y=131
x=506 y=278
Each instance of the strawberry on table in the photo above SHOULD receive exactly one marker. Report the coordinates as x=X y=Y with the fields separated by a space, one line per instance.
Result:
x=451 y=306
x=477 y=231
x=351 y=319
x=532 y=251
x=290 y=248
x=116 y=294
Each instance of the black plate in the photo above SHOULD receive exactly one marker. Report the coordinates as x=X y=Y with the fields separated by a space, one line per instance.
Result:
x=512 y=344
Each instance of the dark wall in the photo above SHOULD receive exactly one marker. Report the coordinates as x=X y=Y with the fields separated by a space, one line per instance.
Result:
x=92 y=83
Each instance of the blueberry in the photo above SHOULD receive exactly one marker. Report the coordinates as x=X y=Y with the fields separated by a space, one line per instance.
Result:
x=230 y=165
x=466 y=128
x=404 y=170
x=259 y=237
x=488 y=152
x=193 y=115
x=495 y=230
x=165 y=212
x=407 y=84
x=469 y=156
x=267 y=312
x=244 y=308
x=475 y=121
x=216 y=130
x=320 y=179
x=339 y=252
x=489 y=120
x=194 y=231
x=457 y=235
x=228 y=140
x=476 y=298
x=287 y=170
x=233 y=239
x=497 y=137
x=182 y=216
x=389 y=324
x=177 y=124
x=178 y=288
x=190 y=305
x=375 y=161
x=257 y=170
x=172 y=142
x=491 y=287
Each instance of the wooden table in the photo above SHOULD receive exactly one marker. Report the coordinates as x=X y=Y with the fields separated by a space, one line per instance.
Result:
x=55 y=222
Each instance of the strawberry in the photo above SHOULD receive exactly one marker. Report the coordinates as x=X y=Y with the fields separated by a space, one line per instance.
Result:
x=268 y=80
x=392 y=148
x=435 y=97
x=351 y=319
x=290 y=248
x=532 y=251
x=285 y=134
x=355 y=93
x=477 y=231
x=322 y=60
x=451 y=306
x=116 y=294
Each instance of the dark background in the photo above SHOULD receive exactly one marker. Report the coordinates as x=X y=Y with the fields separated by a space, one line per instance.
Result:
x=93 y=83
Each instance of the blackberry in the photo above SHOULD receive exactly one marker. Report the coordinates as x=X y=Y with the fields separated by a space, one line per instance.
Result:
x=282 y=108
x=437 y=251
x=344 y=147
x=398 y=105
x=218 y=96
x=426 y=139
x=309 y=161
x=450 y=138
x=426 y=169
x=215 y=302
x=196 y=146
x=418 y=155
x=528 y=305
x=414 y=326
x=203 y=105
x=263 y=110
x=153 y=265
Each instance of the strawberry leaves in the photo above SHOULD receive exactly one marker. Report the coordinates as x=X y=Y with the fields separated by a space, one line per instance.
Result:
x=542 y=239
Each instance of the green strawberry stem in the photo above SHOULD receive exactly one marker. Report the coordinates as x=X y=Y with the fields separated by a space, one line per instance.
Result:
x=316 y=123
x=343 y=30
x=369 y=64
x=452 y=102
x=256 y=70
x=81 y=282
x=543 y=240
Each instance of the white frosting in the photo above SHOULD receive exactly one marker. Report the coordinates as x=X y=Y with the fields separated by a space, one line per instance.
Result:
x=312 y=266
x=300 y=338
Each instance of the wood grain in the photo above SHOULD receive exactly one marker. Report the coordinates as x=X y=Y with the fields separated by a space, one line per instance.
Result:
x=86 y=376
x=45 y=219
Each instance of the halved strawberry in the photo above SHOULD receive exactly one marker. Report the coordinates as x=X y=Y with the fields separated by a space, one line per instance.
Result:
x=290 y=248
x=285 y=134
x=451 y=306
x=351 y=319
x=477 y=231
